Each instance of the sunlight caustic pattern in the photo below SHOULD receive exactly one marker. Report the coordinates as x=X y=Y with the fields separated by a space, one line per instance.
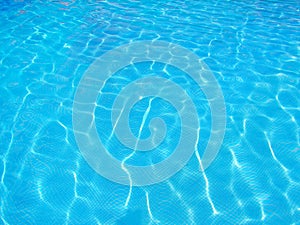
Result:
x=94 y=79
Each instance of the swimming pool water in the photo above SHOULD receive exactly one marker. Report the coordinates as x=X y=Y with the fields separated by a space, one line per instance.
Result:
x=253 y=50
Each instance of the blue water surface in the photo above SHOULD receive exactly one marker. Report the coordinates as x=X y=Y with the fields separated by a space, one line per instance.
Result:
x=253 y=49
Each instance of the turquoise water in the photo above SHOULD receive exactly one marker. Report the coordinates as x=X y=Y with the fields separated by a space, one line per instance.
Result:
x=253 y=50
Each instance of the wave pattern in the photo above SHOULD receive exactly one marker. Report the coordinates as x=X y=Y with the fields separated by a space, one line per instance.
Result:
x=252 y=49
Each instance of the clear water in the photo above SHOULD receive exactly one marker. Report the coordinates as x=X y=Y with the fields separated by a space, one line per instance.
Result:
x=253 y=49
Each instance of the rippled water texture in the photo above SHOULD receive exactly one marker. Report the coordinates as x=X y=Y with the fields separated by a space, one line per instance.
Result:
x=252 y=48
